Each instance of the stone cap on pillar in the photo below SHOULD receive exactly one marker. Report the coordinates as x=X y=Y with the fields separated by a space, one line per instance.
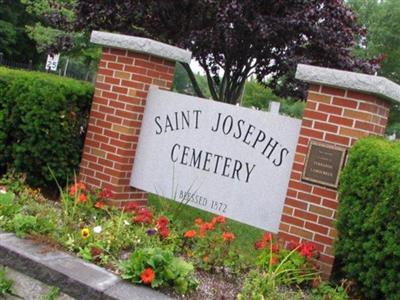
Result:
x=141 y=45
x=370 y=84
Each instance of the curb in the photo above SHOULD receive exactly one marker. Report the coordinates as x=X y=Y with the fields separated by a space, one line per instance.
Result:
x=70 y=274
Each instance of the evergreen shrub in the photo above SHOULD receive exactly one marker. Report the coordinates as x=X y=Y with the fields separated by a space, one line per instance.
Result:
x=43 y=120
x=369 y=218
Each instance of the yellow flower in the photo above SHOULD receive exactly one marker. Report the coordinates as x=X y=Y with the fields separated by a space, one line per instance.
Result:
x=85 y=233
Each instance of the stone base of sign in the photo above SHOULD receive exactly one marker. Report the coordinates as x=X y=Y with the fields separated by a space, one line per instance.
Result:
x=127 y=68
x=74 y=276
x=338 y=116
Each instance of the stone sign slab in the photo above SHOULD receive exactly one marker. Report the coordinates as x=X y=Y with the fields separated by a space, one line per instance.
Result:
x=323 y=164
x=221 y=158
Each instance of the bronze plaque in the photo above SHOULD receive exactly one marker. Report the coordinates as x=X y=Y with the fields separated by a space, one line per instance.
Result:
x=323 y=164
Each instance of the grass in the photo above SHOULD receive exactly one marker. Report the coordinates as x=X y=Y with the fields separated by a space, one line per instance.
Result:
x=246 y=235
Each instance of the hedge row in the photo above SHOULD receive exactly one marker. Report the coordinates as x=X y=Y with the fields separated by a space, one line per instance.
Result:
x=369 y=218
x=43 y=119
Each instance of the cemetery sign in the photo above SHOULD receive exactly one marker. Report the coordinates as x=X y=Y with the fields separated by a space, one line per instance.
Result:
x=217 y=157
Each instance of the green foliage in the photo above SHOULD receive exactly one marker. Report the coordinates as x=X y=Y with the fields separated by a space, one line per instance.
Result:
x=278 y=267
x=168 y=269
x=325 y=291
x=369 y=218
x=53 y=294
x=42 y=124
x=8 y=207
x=5 y=283
x=14 y=42
x=257 y=95
x=381 y=18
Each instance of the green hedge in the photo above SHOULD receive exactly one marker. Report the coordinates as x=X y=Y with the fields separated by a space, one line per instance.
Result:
x=43 y=118
x=369 y=218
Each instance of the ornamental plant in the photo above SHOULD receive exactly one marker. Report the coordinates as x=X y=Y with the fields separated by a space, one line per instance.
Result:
x=369 y=218
x=279 y=266
x=210 y=245
x=157 y=267
x=79 y=202
x=43 y=120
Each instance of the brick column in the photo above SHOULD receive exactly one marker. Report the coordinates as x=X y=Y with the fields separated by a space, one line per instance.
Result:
x=128 y=66
x=336 y=115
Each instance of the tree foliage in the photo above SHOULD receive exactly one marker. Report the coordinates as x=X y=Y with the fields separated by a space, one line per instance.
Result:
x=234 y=39
x=14 y=42
x=381 y=19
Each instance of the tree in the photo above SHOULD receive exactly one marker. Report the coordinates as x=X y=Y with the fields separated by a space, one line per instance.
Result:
x=381 y=19
x=14 y=42
x=233 y=40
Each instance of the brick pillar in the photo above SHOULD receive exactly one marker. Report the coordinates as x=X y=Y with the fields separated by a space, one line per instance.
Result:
x=338 y=116
x=123 y=80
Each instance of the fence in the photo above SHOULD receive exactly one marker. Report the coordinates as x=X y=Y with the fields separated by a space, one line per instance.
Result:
x=70 y=69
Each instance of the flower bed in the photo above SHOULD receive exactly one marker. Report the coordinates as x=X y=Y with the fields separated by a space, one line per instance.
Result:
x=153 y=248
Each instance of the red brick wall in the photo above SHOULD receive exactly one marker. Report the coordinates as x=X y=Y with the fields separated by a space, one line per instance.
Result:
x=339 y=117
x=116 y=116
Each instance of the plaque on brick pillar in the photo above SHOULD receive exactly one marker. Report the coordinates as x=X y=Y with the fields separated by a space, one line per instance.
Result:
x=323 y=164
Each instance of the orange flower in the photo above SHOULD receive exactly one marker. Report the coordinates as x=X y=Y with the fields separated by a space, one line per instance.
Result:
x=209 y=226
x=189 y=234
x=147 y=276
x=99 y=204
x=203 y=229
x=82 y=198
x=205 y=258
x=81 y=186
x=72 y=191
x=228 y=236
x=198 y=221
x=267 y=236
x=274 y=260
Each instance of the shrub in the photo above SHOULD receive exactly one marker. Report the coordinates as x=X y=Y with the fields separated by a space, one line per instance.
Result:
x=369 y=218
x=42 y=124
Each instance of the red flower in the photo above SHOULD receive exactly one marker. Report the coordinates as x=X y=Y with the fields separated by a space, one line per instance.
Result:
x=131 y=207
x=189 y=234
x=274 y=248
x=220 y=220
x=162 y=221
x=82 y=198
x=106 y=193
x=147 y=276
x=228 y=236
x=260 y=245
x=99 y=204
x=143 y=216
x=267 y=236
x=164 y=232
x=198 y=221
x=306 y=250
x=95 y=251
